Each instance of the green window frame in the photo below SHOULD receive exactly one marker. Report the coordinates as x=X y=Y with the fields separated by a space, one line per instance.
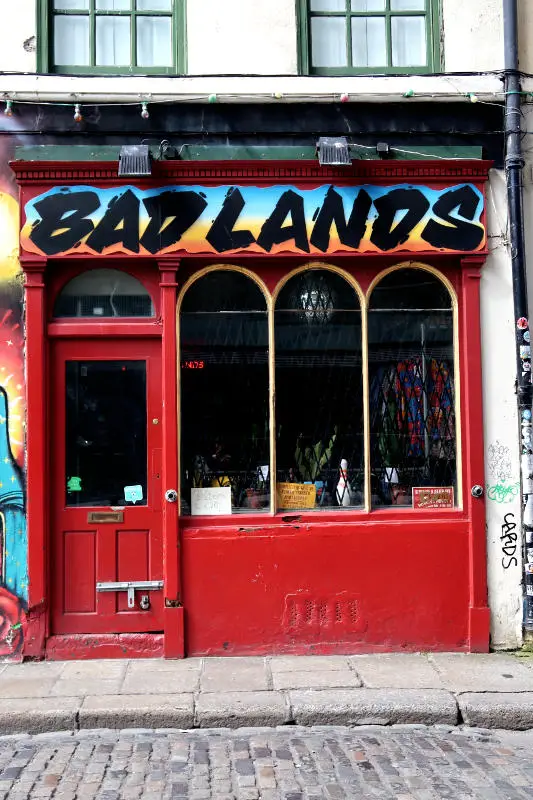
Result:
x=47 y=13
x=348 y=11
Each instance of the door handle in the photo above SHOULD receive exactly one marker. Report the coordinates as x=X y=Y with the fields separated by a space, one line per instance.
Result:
x=171 y=495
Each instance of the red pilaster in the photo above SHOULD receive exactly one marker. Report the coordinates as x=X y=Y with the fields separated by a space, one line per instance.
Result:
x=473 y=458
x=174 y=633
x=36 y=471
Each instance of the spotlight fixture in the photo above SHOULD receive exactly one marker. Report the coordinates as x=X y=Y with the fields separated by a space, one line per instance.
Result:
x=134 y=160
x=333 y=151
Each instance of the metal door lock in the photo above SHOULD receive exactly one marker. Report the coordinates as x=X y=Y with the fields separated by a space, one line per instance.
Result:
x=477 y=490
x=171 y=495
x=144 y=602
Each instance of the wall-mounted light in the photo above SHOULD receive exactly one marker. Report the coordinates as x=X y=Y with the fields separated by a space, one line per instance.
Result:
x=134 y=159
x=333 y=151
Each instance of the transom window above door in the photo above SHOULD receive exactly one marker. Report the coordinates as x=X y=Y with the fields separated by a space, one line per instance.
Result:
x=112 y=36
x=342 y=37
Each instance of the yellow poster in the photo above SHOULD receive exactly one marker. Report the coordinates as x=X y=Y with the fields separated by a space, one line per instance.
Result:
x=296 y=495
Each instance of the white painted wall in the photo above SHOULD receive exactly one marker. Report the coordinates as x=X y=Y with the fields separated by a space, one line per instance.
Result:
x=18 y=24
x=241 y=37
x=502 y=467
x=244 y=37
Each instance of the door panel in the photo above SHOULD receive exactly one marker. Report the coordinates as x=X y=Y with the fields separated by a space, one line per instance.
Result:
x=105 y=464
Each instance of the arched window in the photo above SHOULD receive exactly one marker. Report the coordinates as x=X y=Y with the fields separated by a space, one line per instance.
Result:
x=104 y=293
x=319 y=393
x=225 y=453
x=412 y=392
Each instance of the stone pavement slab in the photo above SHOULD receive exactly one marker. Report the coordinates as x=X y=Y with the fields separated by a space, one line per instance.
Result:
x=235 y=709
x=162 y=682
x=471 y=672
x=137 y=711
x=235 y=674
x=26 y=687
x=316 y=679
x=397 y=671
x=513 y=710
x=308 y=663
x=373 y=706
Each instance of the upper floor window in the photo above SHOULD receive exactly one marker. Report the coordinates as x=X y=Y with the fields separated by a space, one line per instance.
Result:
x=112 y=36
x=342 y=37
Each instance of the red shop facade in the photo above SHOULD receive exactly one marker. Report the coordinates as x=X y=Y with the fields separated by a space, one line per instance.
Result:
x=254 y=416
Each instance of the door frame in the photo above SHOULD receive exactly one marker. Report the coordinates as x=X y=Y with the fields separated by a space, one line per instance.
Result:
x=41 y=285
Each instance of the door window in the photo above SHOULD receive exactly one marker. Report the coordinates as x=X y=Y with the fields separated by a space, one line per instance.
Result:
x=106 y=453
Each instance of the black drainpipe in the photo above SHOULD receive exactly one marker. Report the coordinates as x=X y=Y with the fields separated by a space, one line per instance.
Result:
x=514 y=163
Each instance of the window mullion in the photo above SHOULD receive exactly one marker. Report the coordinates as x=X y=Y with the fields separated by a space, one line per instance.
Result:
x=272 y=405
x=133 y=33
x=366 y=406
x=92 y=33
x=388 y=34
x=349 y=33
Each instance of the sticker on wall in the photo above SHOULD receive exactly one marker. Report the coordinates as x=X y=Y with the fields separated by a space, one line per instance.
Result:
x=133 y=494
x=213 y=501
x=432 y=496
x=74 y=484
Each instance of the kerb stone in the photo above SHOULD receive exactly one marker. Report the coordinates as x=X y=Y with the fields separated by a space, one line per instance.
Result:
x=373 y=707
x=507 y=710
x=238 y=709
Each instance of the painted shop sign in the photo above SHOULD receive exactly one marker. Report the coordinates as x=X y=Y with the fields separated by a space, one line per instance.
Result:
x=272 y=219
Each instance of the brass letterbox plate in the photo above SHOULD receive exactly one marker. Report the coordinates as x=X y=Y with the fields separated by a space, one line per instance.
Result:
x=105 y=516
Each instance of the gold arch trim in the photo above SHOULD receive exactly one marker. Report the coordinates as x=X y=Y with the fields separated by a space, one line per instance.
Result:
x=364 y=300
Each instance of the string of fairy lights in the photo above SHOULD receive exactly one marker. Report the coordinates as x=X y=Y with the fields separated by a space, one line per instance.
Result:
x=11 y=102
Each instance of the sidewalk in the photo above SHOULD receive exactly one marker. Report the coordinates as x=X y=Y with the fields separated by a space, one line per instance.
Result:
x=485 y=691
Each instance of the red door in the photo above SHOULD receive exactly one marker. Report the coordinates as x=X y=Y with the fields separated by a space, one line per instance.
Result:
x=106 y=527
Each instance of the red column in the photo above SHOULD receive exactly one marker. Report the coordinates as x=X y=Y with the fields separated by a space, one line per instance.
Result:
x=473 y=455
x=174 y=646
x=36 y=461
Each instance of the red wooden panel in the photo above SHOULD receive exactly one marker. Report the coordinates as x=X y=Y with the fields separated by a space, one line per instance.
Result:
x=132 y=562
x=79 y=577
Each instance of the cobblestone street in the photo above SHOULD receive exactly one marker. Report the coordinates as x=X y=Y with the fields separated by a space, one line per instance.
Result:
x=410 y=763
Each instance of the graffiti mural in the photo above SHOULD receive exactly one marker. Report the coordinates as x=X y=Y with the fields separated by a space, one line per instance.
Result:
x=270 y=219
x=13 y=537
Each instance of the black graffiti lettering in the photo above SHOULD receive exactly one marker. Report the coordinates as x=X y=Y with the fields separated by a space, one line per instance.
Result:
x=385 y=234
x=120 y=223
x=181 y=208
x=332 y=211
x=221 y=235
x=509 y=539
x=274 y=232
x=63 y=222
x=451 y=233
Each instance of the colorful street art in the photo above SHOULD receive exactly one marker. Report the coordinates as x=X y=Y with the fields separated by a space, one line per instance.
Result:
x=13 y=536
x=269 y=219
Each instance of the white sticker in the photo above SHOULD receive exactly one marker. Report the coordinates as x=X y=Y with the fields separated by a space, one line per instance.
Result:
x=133 y=494
x=215 y=501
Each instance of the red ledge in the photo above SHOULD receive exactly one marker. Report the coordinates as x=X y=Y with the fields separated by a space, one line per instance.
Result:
x=253 y=172
x=111 y=645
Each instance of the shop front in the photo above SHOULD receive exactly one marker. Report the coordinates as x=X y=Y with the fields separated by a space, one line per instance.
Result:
x=254 y=408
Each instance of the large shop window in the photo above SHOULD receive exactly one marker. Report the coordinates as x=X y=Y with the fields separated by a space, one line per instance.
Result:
x=348 y=401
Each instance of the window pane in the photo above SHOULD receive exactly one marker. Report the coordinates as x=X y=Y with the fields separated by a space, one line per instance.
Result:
x=319 y=397
x=408 y=5
x=368 y=5
x=225 y=440
x=105 y=431
x=412 y=392
x=71 y=40
x=369 y=48
x=75 y=5
x=104 y=293
x=328 y=5
x=154 y=5
x=154 y=42
x=113 y=5
x=328 y=41
x=408 y=41
x=112 y=41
